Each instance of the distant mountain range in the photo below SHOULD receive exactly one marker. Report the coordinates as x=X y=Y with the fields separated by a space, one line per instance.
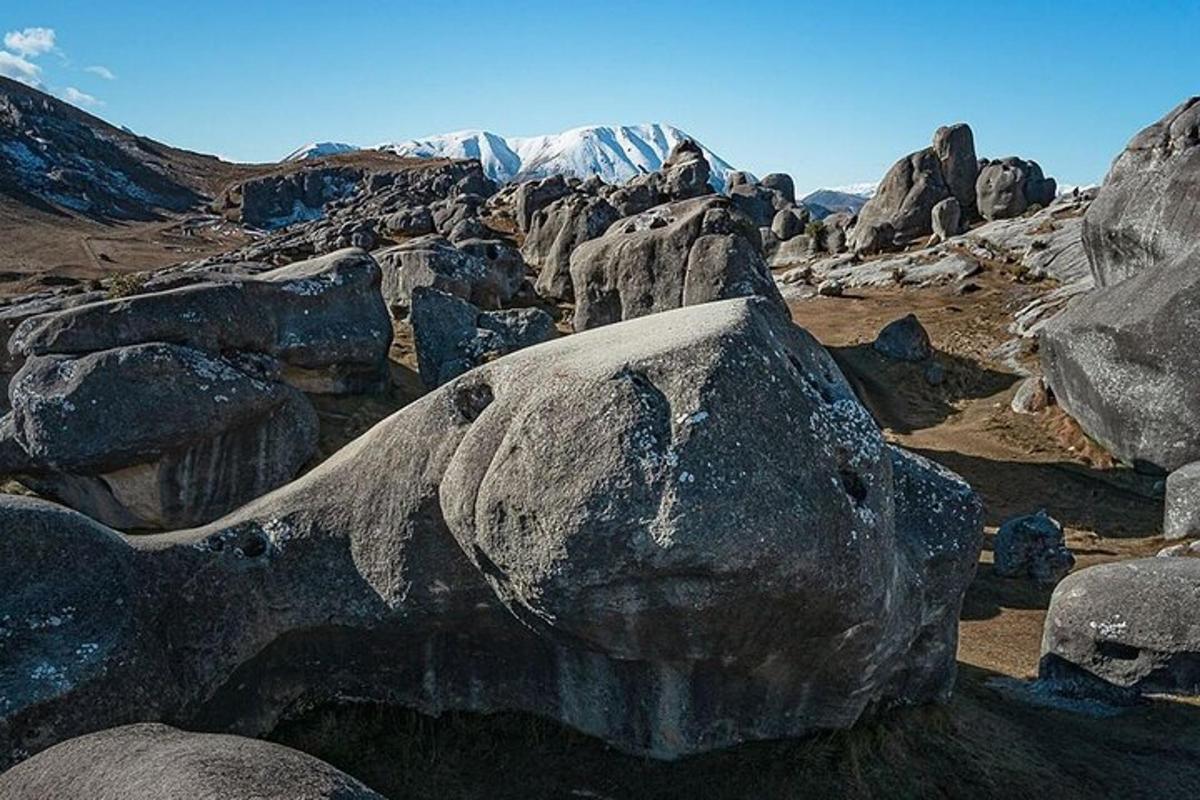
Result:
x=615 y=153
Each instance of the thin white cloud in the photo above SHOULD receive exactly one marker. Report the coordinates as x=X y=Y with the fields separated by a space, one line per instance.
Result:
x=78 y=98
x=103 y=72
x=19 y=69
x=30 y=42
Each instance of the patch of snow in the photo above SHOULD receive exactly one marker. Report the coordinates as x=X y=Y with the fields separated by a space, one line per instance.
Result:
x=319 y=150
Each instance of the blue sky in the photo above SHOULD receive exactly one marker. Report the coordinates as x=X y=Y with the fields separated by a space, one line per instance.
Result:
x=830 y=92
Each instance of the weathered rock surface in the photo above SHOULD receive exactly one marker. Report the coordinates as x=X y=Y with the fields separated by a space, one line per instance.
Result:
x=1126 y=628
x=1123 y=362
x=679 y=254
x=323 y=318
x=555 y=233
x=946 y=218
x=1032 y=546
x=904 y=339
x=902 y=207
x=1008 y=186
x=1182 y=516
x=1031 y=396
x=781 y=183
x=157 y=762
x=433 y=261
x=955 y=149
x=728 y=551
x=1147 y=214
x=532 y=196
x=453 y=336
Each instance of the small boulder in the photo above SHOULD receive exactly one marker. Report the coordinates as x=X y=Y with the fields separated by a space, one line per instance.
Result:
x=782 y=183
x=789 y=223
x=434 y=261
x=1031 y=396
x=408 y=222
x=947 y=220
x=1032 y=546
x=904 y=339
x=1182 y=516
x=533 y=196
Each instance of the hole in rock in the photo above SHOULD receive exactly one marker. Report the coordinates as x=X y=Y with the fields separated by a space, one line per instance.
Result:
x=853 y=484
x=253 y=545
x=1117 y=651
x=470 y=400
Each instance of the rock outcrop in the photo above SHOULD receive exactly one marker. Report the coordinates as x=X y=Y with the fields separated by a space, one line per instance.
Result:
x=1182 y=516
x=679 y=254
x=1123 y=629
x=1008 y=187
x=901 y=209
x=728 y=550
x=1123 y=362
x=433 y=261
x=955 y=149
x=1032 y=546
x=904 y=339
x=173 y=407
x=555 y=233
x=453 y=336
x=158 y=762
x=1147 y=215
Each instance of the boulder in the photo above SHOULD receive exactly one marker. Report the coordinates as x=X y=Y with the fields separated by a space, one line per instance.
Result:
x=903 y=203
x=433 y=261
x=1031 y=396
x=323 y=319
x=155 y=435
x=1122 y=361
x=955 y=148
x=505 y=264
x=1008 y=187
x=789 y=223
x=684 y=253
x=1128 y=628
x=555 y=233
x=158 y=762
x=533 y=196
x=453 y=336
x=904 y=339
x=1147 y=214
x=685 y=172
x=718 y=470
x=1182 y=516
x=759 y=203
x=738 y=178
x=781 y=183
x=946 y=217
x=1032 y=546
x=450 y=212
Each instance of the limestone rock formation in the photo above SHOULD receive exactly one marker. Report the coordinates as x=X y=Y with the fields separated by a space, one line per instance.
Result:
x=434 y=261
x=1182 y=515
x=453 y=336
x=1008 y=187
x=728 y=550
x=1148 y=212
x=679 y=254
x=158 y=762
x=1032 y=546
x=555 y=233
x=1122 y=629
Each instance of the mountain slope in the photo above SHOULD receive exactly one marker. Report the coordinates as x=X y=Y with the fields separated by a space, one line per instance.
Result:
x=615 y=153
x=319 y=150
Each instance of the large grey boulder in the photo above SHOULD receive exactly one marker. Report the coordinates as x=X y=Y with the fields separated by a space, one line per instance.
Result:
x=903 y=204
x=323 y=319
x=1122 y=362
x=684 y=253
x=955 y=148
x=155 y=435
x=1007 y=187
x=434 y=261
x=1126 y=628
x=1182 y=515
x=533 y=196
x=782 y=183
x=453 y=336
x=718 y=469
x=555 y=233
x=685 y=172
x=789 y=223
x=157 y=762
x=1148 y=212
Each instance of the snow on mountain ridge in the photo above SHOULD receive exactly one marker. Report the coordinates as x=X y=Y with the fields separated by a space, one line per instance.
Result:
x=319 y=150
x=615 y=153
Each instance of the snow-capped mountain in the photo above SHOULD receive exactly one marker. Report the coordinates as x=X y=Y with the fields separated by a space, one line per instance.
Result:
x=615 y=153
x=319 y=149
x=841 y=198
